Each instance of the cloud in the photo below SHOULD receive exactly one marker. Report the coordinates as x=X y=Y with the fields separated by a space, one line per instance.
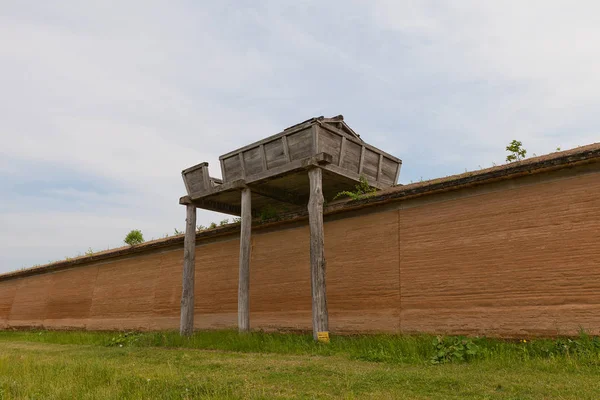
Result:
x=519 y=68
x=103 y=104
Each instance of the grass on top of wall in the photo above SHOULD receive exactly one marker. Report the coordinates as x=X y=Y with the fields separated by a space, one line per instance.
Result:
x=410 y=349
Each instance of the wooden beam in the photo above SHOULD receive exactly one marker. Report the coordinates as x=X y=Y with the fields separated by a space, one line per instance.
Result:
x=315 y=139
x=185 y=200
x=195 y=167
x=286 y=150
x=296 y=165
x=186 y=327
x=283 y=195
x=397 y=174
x=286 y=132
x=379 y=167
x=320 y=317
x=245 y=253
x=342 y=151
x=242 y=165
x=196 y=179
x=361 y=161
x=222 y=169
x=352 y=175
x=210 y=201
x=218 y=207
x=359 y=141
x=238 y=184
x=263 y=156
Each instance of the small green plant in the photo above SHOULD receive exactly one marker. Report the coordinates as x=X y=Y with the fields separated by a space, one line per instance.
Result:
x=89 y=252
x=236 y=220
x=200 y=228
x=268 y=213
x=224 y=222
x=516 y=150
x=584 y=345
x=178 y=232
x=134 y=237
x=453 y=349
x=362 y=190
x=212 y=225
x=558 y=148
x=124 y=339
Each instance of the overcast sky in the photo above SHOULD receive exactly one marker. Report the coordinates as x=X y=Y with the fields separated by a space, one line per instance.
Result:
x=102 y=104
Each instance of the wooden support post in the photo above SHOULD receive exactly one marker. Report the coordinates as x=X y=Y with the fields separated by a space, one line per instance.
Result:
x=245 y=250
x=320 y=315
x=189 y=265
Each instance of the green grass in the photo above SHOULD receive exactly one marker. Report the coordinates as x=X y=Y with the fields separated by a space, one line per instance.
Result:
x=225 y=365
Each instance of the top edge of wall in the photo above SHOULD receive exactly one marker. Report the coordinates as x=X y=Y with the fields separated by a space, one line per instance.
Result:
x=536 y=165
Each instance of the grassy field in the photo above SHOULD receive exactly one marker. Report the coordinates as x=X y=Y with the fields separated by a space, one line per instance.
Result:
x=224 y=365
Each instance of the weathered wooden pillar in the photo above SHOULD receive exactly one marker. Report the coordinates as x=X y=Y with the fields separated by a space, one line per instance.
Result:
x=320 y=315
x=186 y=327
x=245 y=252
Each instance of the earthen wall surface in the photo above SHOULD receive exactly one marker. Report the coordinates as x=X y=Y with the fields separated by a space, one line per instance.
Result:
x=519 y=261
x=518 y=258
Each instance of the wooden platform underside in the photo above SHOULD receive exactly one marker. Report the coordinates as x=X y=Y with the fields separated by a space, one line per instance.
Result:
x=284 y=190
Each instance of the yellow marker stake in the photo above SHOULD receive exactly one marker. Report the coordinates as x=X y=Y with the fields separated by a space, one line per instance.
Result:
x=323 y=337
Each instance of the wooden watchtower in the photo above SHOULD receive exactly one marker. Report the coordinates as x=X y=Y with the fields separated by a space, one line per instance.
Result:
x=291 y=170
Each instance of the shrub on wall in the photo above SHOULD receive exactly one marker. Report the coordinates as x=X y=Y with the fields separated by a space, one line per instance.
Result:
x=134 y=237
x=516 y=150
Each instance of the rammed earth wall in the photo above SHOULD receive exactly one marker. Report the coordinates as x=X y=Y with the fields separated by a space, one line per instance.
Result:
x=514 y=252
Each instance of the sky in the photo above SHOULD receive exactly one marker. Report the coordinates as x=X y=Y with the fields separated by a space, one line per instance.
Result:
x=103 y=103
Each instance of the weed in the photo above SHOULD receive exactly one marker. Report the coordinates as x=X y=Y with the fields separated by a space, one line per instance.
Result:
x=224 y=222
x=212 y=225
x=584 y=345
x=269 y=213
x=124 y=339
x=362 y=190
x=453 y=349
